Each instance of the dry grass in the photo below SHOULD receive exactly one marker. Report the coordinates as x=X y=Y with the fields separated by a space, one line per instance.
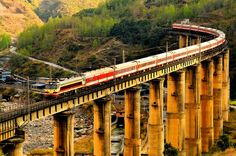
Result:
x=39 y=151
x=230 y=127
x=228 y=152
x=15 y=16
x=4 y=52
x=233 y=102
x=66 y=7
x=84 y=145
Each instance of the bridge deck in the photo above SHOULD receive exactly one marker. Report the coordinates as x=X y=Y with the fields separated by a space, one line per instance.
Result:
x=11 y=120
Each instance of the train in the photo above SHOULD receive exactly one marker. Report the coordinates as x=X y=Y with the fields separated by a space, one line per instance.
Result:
x=105 y=74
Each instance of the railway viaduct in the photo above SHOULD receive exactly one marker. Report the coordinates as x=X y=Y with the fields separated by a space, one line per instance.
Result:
x=197 y=105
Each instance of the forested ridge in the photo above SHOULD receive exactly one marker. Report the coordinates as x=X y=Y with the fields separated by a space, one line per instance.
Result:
x=134 y=22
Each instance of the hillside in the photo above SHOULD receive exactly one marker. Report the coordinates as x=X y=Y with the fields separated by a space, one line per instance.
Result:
x=54 y=8
x=131 y=22
x=15 y=16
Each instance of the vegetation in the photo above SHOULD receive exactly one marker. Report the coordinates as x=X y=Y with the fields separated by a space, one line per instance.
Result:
x=38 y=39
x=233 y=102
x=5 y=41
x=230 y=127
x=133 y=22
x=223 y=143
x=23 y=67
x=99 y=22
x=170 y=150
x=142 y=32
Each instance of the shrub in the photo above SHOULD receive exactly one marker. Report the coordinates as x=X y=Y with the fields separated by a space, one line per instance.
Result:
x=170 y=150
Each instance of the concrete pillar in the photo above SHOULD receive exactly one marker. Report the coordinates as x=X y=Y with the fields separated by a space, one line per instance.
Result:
x=64 y=133
x=14 y=146
x=18 y=149
x=225 y=86
x=155 y=126
x=207 y=105
x=1 y=151
x=193 y=111
x=132 y=122
x=217 y=98
x=102 y=127
x=183 y=41
x=175 y=116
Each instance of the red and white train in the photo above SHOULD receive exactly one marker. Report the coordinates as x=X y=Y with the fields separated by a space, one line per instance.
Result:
x=108 y=73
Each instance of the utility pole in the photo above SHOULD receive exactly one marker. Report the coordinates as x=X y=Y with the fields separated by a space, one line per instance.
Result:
x=28 y=98
x=167 y=49
x=199 y=45
x=50 y=73
x=114 y=72
x=123 y=55
x=77 y=65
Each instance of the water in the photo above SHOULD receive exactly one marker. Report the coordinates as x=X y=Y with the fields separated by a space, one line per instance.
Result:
x=117 y=141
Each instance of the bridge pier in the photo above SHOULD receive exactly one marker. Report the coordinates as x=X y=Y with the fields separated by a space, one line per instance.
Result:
x=102 y=127
x=175 y=116
x=207 y=105
x=183 y=41
x=64 y=133
x=155 y=126
x=193 y=111
x=132 y=122
x=14 y=146
x=225 y=86
x=217 y=98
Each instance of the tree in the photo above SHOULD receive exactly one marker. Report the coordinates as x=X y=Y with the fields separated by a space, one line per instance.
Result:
x=170 y=150
x=223 y=143
x=5 y=41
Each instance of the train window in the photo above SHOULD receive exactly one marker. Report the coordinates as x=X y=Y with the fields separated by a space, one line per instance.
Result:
x=51 y=86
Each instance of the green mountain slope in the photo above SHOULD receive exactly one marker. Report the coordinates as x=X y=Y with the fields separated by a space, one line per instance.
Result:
x=133 y=22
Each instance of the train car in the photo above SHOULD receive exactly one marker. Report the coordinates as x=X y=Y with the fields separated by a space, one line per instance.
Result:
x=125 y=68
x=146 y=63
x=98 y=76
x=108 y=73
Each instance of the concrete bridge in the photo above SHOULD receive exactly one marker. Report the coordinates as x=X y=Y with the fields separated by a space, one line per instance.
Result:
x=197 y=103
